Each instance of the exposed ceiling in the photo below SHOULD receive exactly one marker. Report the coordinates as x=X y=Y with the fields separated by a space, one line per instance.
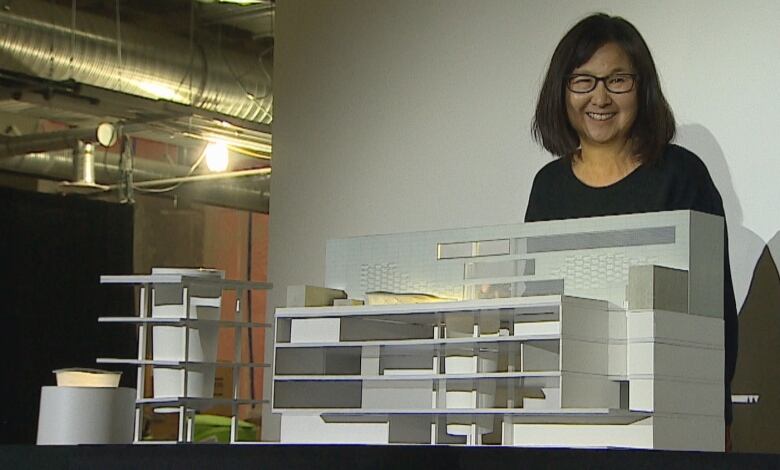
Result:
x=241 y=34
x=248 y=23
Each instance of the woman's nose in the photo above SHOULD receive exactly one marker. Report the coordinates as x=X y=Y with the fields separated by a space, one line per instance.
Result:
x=600 y=96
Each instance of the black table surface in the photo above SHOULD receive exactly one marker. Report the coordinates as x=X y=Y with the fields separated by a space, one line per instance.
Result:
x=351 y=457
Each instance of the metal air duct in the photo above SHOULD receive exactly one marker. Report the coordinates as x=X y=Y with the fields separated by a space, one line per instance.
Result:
x=40 y=39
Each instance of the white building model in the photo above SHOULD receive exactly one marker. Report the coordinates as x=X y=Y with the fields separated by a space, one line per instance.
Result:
x=600 y=332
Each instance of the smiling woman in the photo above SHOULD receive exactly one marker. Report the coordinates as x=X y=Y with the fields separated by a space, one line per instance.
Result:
x=605 y=49
x=603 y=118
x=602 y=112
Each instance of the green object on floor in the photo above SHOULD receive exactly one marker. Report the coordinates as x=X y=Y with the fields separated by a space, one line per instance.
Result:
x=211 y=428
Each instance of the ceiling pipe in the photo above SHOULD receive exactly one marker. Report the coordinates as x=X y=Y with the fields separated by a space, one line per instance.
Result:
x=44 y=142
x=203 y=177
x=56 y=140
x=250 y=192
x=48 y=41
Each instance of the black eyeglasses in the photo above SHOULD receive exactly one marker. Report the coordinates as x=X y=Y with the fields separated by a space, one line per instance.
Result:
x=615 y=83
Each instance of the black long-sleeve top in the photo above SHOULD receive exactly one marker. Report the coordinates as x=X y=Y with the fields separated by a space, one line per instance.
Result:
x=679 y=180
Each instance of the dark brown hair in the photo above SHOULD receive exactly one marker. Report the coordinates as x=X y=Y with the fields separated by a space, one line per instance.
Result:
x=654 y=125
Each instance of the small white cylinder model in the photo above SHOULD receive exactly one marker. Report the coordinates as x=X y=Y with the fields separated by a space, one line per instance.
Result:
x=86 y=415
x=168 y=342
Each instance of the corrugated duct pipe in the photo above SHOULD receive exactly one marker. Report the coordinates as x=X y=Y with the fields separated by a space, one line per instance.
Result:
x=49 y=41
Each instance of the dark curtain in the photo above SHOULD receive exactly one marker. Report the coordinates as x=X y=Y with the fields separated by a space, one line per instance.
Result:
x=53 y=250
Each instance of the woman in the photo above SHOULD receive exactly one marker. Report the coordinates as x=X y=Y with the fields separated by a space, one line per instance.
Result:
x=602 y=112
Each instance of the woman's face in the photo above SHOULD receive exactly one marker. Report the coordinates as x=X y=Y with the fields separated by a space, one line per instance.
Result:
x=599 y=117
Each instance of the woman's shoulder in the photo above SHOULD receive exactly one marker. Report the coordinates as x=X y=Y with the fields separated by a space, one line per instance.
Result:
x=553 y=170
x=680 y=161
x=691 y=180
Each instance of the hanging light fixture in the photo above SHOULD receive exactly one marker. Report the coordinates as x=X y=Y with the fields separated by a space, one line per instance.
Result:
x=217 y=156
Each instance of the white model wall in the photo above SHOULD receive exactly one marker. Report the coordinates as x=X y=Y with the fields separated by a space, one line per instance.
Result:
x=403 y=115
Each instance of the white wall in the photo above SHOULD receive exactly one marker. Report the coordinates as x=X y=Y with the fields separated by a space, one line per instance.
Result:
x=403 y=115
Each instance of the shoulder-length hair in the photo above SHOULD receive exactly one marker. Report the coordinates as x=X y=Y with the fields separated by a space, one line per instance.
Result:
x=654 y=126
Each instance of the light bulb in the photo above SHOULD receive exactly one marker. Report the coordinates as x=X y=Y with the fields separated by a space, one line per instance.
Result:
x=217 y=156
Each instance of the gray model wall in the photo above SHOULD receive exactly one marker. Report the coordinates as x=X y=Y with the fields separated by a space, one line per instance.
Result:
x=406 y=115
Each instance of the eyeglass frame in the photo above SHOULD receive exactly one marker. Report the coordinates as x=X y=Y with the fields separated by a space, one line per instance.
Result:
x=601 y=79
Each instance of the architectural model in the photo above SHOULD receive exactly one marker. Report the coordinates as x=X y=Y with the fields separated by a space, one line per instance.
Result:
x=179 y=310
x=599 y=332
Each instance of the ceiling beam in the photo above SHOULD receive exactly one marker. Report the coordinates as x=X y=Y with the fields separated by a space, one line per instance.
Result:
x=239 y=13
